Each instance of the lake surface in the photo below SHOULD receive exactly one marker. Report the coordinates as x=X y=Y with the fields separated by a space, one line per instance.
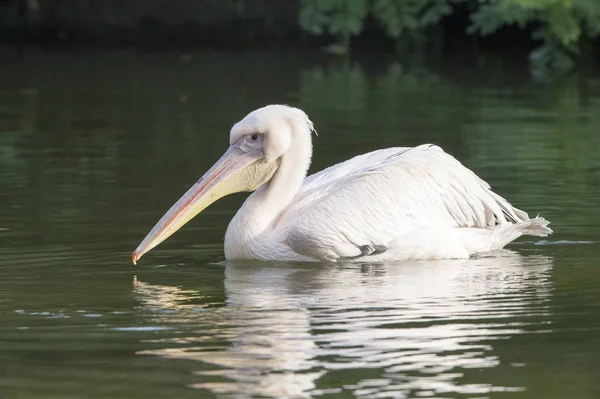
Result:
x=95 y=146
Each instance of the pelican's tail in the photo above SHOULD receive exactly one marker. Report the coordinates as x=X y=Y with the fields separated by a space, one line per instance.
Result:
x=537 y=226
x=497 y=237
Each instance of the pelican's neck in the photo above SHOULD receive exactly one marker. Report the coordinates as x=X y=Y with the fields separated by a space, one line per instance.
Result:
x=279 y=192
x=264 y=206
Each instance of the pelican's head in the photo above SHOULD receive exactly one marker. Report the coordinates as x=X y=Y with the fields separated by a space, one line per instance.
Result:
x=257 y=143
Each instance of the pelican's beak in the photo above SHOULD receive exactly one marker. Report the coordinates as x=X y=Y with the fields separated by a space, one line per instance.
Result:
x=225 y=177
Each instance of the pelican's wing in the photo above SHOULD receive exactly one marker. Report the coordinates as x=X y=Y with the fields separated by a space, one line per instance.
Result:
x=358 y=206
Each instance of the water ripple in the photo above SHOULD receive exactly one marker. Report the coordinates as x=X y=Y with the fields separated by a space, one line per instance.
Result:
x=412 y=328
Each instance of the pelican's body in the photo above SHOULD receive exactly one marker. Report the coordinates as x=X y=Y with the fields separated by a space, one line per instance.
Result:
x=391 y=204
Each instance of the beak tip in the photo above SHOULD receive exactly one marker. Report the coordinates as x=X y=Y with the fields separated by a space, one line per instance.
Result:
x=134 y=257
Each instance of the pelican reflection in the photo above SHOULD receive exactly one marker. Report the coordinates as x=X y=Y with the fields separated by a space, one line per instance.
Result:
x=286 y=330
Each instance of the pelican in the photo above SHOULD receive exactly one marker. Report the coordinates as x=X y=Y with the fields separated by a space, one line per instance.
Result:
x=403 y=203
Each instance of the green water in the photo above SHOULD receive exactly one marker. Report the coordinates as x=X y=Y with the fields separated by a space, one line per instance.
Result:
x=95 y=146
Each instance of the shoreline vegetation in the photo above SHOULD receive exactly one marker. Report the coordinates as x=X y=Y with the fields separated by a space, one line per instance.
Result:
x=551 y=35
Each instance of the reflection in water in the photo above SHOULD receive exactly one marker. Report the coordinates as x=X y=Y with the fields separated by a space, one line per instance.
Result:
x=411 y=328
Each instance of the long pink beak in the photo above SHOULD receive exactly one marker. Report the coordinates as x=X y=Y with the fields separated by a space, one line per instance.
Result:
x=207 y=190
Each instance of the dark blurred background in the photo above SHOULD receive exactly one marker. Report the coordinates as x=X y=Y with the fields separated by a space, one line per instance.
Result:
x=551 y=35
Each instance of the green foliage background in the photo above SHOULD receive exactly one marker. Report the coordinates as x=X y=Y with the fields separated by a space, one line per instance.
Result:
x=563 y=30
x=561 y=27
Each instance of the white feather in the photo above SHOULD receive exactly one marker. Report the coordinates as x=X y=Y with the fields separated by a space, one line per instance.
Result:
x=391 y=204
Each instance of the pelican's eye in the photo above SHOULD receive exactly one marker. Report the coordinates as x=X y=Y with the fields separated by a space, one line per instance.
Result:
x=254 y=137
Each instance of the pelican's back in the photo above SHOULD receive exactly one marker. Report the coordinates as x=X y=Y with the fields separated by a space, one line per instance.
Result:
x=401 y=203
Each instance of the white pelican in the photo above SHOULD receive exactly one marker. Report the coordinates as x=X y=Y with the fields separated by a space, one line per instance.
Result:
x=391 y=204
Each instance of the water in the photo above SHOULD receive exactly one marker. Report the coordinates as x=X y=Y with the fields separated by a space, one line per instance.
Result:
x=95 y=146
